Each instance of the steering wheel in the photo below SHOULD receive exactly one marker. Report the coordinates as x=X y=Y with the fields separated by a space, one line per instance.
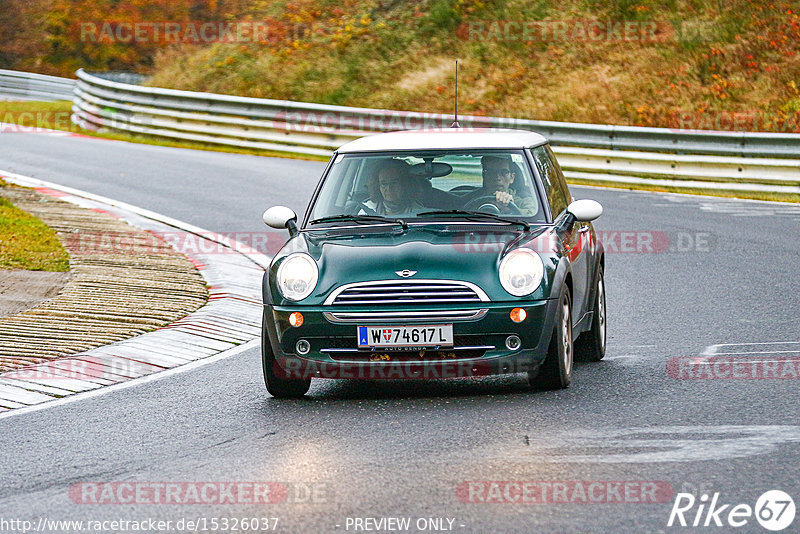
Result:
x=490 y=204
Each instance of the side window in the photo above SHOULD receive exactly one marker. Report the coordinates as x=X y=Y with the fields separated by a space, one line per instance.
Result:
x=552 y=178
x=561 y=180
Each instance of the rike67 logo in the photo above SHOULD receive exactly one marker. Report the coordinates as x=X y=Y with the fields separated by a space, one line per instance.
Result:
x=774 y=510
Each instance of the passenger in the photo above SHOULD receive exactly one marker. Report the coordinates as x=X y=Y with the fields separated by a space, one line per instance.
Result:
x=499 y=172
x=392 y=192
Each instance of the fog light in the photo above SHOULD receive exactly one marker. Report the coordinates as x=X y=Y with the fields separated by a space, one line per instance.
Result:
x=513 y=342
x=518 y=315
x=296 y=319
x=304 y=347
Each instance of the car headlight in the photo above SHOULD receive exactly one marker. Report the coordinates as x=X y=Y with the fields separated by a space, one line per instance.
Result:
x=297 y=276
x=521 y=272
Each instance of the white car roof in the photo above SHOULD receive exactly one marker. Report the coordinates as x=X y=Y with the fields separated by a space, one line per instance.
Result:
x=444 y=138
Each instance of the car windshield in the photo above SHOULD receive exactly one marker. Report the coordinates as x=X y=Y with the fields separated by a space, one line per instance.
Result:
x=414 y=186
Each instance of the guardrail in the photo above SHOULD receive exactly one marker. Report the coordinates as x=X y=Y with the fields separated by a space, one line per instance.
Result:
x=693 y=159
x=16 y=85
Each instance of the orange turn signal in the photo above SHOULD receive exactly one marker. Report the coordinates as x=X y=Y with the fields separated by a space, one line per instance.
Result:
x=296 y=319
x=518 y=315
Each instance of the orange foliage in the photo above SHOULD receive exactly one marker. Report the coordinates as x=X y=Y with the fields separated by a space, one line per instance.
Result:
x=60 y=36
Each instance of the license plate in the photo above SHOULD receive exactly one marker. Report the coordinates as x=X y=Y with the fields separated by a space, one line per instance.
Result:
x=405 y=336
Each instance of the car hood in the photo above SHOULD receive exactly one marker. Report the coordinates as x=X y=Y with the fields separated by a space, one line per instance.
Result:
x=470 y=254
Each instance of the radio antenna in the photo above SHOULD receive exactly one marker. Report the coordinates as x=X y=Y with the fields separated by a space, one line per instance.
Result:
x=455 y=121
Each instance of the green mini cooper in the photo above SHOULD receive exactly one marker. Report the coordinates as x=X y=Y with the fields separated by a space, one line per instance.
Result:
x=435 y=254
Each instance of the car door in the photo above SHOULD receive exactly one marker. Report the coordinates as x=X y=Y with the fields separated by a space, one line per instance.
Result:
x=574 y=237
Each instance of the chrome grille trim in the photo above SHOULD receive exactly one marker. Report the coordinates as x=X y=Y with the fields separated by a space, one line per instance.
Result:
x=413 y=291
x=405 y=292
x=369 y=317
x=397 y=301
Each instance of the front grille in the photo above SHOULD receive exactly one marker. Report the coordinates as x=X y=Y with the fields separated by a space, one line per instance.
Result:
x=403 y=317
x=407 y=292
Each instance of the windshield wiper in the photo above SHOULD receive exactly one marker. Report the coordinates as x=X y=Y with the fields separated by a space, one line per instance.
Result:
x=361 y=219
x=478 y=214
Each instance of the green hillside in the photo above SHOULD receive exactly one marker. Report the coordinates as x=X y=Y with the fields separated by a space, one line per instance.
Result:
x=675 y=63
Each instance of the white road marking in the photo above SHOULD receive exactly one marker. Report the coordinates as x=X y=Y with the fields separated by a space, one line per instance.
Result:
x=712 y=350
x=759 y=352
x=623 y=357
x=758 y=343
x=777 y=360
x=737 y=207
x=689 y=444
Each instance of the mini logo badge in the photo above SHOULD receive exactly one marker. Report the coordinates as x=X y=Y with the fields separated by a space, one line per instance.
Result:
x=405 y=273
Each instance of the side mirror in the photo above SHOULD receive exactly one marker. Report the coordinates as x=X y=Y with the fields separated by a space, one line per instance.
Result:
x=585 y=210
x=281 y=217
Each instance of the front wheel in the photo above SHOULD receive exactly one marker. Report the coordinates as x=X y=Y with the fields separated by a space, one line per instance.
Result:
x=591 y=345
x=556 y=371
x=277 y=386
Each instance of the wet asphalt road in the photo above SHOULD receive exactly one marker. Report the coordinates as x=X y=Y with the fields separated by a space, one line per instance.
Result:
x=723 y=278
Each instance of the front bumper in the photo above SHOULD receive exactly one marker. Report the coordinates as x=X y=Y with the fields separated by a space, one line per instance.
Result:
x=479 y=343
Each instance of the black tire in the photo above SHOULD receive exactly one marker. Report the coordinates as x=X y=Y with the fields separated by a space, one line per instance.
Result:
x=278 y=387
x=556 y=371
x=591 y=345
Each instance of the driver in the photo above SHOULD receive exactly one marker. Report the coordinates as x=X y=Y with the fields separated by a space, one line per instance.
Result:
x=499 y=172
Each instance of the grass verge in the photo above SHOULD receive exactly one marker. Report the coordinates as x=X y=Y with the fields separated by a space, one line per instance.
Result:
x=26 y=242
